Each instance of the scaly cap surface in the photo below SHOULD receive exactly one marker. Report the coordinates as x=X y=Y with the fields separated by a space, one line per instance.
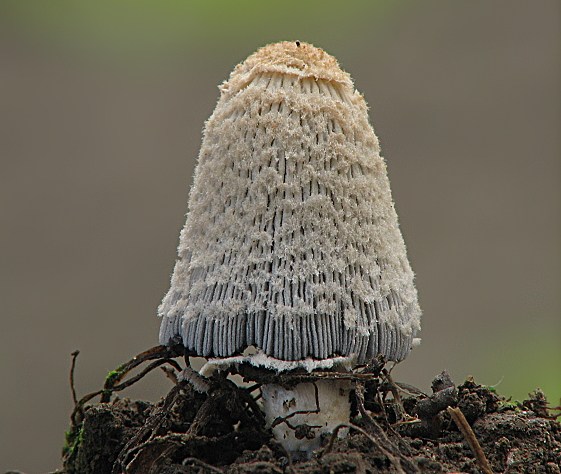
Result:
x=292 y=242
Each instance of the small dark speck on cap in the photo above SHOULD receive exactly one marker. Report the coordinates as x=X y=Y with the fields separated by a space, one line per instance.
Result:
x=298 y=44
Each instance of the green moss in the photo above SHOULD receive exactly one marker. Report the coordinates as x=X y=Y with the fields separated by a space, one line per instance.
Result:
x=114 y=376
x=74 y=438
x=509 y=405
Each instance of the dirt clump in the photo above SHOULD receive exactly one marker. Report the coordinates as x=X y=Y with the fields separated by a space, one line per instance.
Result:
x=218 y=427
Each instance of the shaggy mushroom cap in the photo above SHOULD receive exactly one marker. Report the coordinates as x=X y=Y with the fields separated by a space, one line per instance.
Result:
x=292 y=241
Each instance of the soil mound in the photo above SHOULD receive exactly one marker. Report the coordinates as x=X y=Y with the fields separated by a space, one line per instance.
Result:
x=394 y=428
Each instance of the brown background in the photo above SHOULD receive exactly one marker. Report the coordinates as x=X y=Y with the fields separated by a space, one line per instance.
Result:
x=101 y=110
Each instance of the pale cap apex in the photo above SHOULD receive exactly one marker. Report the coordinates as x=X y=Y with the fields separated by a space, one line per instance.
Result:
x=287 y=57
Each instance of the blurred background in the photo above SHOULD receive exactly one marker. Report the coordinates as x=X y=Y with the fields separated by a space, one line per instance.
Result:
x=102 y=105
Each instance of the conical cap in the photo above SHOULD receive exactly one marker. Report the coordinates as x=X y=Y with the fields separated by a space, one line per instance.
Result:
x=292 y=241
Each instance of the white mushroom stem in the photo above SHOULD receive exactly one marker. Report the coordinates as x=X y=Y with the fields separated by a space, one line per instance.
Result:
x=298 y=416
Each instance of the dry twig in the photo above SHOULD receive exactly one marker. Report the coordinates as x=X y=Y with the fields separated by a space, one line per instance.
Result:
x=200 y=463
x=398 y=459
x=470 y=438
x=150 y=428
x=393 y=459
x=163 y=355
x=72 y=368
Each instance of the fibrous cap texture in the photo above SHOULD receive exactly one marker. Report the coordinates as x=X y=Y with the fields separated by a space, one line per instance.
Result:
x=292 y=242
x=293 y=58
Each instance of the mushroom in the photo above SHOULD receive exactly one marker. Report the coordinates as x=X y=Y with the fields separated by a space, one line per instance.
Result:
x=292 y=243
